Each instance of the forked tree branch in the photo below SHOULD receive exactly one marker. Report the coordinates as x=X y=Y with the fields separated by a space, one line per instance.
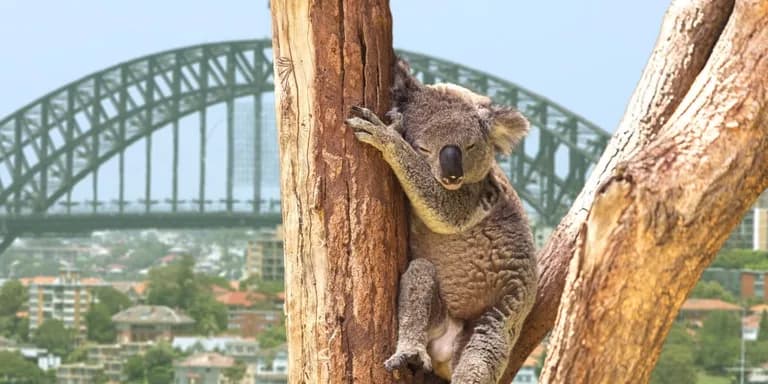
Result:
x=687 y=36
x=664 y=211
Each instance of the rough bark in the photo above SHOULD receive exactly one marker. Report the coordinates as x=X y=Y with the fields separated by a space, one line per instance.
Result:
x=665 y=209
x=687 y=36
x=343 y=212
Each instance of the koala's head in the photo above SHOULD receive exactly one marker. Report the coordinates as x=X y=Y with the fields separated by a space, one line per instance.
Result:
x=457 y=131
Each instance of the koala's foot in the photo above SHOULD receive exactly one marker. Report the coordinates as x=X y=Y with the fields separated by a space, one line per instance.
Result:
x=371 y=130
x=412 y=358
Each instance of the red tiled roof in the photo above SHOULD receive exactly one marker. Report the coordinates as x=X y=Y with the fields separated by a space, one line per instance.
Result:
x=26 y=281
x=240 y=299
x=709 y=305
x=759 y=308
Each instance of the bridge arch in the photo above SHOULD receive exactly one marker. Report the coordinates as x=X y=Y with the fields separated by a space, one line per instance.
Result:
x=51 y=145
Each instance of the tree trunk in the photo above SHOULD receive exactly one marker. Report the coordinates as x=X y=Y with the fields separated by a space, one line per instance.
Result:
x=343 y=211
x=687 y=161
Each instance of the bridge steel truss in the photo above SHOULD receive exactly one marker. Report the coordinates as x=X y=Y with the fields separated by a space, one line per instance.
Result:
x=50 y=145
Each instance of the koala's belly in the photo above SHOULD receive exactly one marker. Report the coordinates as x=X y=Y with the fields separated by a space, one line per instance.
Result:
x=473 y=268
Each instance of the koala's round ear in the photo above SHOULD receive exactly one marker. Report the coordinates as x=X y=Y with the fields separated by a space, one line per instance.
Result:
x=405 y=84
x=507 y=127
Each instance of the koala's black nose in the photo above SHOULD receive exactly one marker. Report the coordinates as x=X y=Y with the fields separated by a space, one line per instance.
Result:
x=450 y=163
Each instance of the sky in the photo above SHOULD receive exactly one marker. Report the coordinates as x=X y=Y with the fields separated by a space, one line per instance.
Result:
x=586 y=56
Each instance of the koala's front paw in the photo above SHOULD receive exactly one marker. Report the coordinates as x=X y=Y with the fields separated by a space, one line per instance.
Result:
x=371 y=130
x=475 y=372
x=411 y=358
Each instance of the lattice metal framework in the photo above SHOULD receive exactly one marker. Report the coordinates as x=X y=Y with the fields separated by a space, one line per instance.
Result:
x=52 y=144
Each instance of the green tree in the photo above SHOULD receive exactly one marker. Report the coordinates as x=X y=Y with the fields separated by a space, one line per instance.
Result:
x=256 y=284
x=158 y=364
x=756 y=353
x=210 y=315
x=53 y=336
x=21 y=330
x=712 y=290
x=134 y=369
x=177 y=286
x=99 y=323
x=676 y=364
x=80 y=354
x=762 y=330
x=15 y=369
x=160 y=375
x=114 y=300
x=174 y=285
x=735 y=258
x=719 y=341
x=273 y=336
x=235 y=373
x=13 y=296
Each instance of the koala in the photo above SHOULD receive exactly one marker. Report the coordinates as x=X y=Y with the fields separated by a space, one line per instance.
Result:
x=472 y=276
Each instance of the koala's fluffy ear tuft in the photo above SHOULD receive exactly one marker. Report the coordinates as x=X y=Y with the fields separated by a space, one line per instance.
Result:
x=507 y=128
x=404 y=85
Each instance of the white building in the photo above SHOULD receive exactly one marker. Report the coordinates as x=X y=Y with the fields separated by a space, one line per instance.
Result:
x=526 y=375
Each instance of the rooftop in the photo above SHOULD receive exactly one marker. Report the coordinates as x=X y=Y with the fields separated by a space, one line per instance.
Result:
x=709 y=305
x=207 y=360
x=151 y=314
x=240 y=299
x=760 y=308
x=54 y=280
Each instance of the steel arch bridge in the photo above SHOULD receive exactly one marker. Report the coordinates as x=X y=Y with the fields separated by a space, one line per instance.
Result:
x=65 y=140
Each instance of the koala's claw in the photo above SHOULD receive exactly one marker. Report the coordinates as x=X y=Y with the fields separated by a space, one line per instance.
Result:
x=412 y=359
x=369 y=129
x=367 y=114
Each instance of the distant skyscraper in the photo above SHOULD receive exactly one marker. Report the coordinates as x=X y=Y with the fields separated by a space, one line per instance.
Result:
x=250 y=157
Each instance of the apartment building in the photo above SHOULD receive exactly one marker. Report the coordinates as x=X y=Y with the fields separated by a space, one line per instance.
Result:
x=264 y=255
x=112 y=357
x=79 y=373
x=66 y=298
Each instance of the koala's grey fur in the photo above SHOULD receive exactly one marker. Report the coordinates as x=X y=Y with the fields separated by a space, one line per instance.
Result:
x=472 y=278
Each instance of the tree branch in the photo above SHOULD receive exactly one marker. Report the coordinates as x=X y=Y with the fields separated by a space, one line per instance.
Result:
x=688 y=34
x=658 y=220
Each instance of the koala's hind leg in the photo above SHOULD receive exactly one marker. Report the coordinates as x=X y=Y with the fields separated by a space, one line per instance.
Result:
x=418 y=307
x=485 y=355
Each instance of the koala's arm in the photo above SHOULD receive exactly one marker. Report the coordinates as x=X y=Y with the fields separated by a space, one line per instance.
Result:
x=441 y=210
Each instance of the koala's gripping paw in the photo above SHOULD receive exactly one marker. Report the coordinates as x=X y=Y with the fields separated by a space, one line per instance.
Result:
x=371 y=130
x=412 y=359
